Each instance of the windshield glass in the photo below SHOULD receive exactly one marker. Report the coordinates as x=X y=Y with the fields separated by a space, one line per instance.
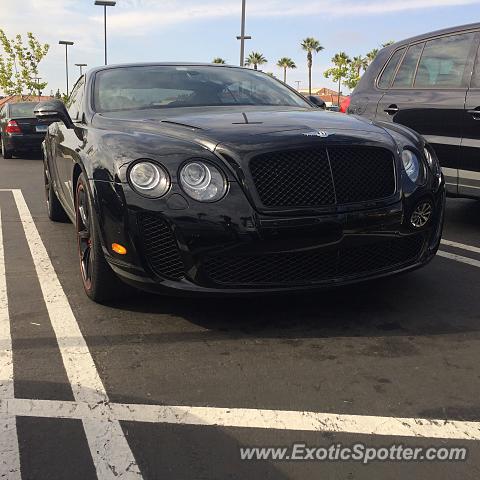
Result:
x=18 y=110
x=133 y=88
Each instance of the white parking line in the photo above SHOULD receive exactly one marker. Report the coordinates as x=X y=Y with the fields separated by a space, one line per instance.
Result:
x=247 y=418
x=462 y=246
x=459 y=258
x=110 y=451
x=9 y=453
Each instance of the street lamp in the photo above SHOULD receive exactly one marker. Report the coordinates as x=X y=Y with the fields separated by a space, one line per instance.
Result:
x=81 y=65
x=298 y=82
x=66 y=43
x=242 y=36
x=105 y=4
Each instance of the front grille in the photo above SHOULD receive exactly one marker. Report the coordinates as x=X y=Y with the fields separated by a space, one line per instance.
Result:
x=323 y=176
x=160 y=247
x=300 y=268
x=295 y=178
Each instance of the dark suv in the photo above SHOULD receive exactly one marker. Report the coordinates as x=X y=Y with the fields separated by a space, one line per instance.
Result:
x=431 y=83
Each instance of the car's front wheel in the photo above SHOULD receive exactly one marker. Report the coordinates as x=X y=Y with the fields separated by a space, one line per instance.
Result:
x=56 y=213
x=99 y=281
x=6 y=154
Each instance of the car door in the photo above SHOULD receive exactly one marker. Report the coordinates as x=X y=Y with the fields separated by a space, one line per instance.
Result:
x=68 y=140
x=469 y=167
x=428 y=93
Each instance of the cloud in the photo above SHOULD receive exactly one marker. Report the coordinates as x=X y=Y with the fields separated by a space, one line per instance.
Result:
x=81 y=22
x=136 y=16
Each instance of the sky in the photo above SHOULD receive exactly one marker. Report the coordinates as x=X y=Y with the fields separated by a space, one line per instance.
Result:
x=199 y=30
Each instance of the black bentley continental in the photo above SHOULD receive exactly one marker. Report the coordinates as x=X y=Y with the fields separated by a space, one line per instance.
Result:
x=203 y=179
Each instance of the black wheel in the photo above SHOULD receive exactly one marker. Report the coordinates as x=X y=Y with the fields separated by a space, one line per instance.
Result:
x=99 y=281
x=56 y=213
x=6 y=154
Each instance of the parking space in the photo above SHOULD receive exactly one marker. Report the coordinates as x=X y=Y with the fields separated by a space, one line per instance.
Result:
x=160 y=387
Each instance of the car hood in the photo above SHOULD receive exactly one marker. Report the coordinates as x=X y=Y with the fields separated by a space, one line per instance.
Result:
x=242 y=126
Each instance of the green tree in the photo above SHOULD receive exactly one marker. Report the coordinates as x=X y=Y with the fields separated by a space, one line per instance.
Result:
x=286 y=63
x=255 y=59
x=354 y=74
x=19 y=64
x=311 y=46
x=219 y=60
x=339 y=71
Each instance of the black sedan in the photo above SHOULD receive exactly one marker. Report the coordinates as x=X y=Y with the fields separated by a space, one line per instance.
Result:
x=213 y=179
x=20 y=131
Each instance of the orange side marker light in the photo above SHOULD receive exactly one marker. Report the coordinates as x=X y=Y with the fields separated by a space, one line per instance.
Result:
x=120 y=249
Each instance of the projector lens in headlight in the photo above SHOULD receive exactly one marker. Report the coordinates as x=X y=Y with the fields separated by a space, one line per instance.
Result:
x=202 y=181
x=149 y=179
x=413 y=166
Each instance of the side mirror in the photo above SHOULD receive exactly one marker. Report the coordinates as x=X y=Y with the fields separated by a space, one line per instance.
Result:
x=317 y=101
x=53 y=111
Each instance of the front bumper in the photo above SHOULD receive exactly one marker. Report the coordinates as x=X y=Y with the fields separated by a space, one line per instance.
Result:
x=229 y=248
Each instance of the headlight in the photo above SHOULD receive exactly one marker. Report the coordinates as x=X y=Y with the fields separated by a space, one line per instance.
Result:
x=203 y=182
x=149 y=179
x=429 y=158
x=432 y=161
x=413 y=167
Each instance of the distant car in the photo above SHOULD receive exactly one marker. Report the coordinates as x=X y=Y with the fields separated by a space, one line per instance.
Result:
x=203 y=179
x=20 y=130
x=344 y=105
x=317 y=100
x=333 y=108
x=431 y=83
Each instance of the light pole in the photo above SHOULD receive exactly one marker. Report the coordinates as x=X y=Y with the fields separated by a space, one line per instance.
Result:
x=242 y=36
x=105 y=4
x=66 y=43
x=80 y=65
x=298 y=82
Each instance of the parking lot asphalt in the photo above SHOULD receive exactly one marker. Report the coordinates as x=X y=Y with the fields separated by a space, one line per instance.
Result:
x=159 y=387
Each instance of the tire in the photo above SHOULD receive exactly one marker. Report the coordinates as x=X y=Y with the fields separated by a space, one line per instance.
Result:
x=6 y=154
x=99 y=281
x=55 y=211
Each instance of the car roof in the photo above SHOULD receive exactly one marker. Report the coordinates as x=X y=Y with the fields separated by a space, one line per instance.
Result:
x=437 y=33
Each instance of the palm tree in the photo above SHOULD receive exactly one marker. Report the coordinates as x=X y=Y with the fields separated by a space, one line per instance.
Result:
x=219 y=60
x=371 y=55
x=286 y=62
x=387 y=44
x=359 y=63
x=255 y=59
x=311 y=46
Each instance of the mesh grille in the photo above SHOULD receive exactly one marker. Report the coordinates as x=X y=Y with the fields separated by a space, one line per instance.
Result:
x=293 y=179
x=315 y=178
x=297 y=268
x=160 y=247
x=362 y=173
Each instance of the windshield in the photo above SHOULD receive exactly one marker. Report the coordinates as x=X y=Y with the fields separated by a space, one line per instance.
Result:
x=133 y=88
x=19 y=110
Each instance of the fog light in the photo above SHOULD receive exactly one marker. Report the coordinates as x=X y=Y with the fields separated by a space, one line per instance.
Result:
x=422 y=214
x=120 y=249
